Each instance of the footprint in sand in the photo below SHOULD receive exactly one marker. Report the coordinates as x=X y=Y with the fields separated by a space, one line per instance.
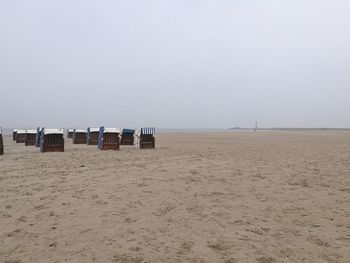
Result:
x=220 y=245
x=130 y=220
x=39 y=207
x=4 y=215
x=186 y=247
x=22 y=219
x=266 y=260
x=14 y=233
x=100 y=202
x=331 y=258
x=164 y=210
x=13 y=261
x=53 y=244
x=126 y=258
x=318 y=241
x=196 y=209
x=135 y=248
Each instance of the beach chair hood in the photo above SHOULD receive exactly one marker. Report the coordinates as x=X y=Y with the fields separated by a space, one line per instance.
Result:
x=80 y=130
x=148 y=131
x=46 y=131
x=90 y=129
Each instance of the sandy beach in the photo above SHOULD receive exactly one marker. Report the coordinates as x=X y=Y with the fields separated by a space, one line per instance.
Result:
x=199 y=197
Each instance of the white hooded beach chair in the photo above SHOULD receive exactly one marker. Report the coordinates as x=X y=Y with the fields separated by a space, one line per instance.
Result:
x=70 y=133
x=52 y=140
x=79 y=136
x=21 y=136
x=109 y=139
x=92 y=136
x=30 y=137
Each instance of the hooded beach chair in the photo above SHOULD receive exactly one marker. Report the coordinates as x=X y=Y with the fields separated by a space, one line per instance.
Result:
x=51 y=140
x=79 y=136
x=21 y=136
x=1 y=143
x=108 y=139
x=127 y=137
x=70 y=133
x=92 y=136
x=14 y=134
x=145 y=138
x=30 y=137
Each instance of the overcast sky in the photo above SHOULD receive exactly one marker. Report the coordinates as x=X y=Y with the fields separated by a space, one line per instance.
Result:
x=184 y=64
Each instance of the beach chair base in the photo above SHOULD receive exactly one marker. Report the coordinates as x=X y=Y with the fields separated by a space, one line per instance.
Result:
x=114 y=147
x=30 y=140
x=58 y=148
x=52 y=143
x=147 y=142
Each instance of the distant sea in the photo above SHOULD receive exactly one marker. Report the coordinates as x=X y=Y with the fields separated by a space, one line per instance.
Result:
x=182 y=130
x=207 y=130
x=8 y=131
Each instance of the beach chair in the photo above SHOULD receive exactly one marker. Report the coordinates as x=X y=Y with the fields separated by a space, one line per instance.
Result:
x=92 y=136
x=127 y=137
x=30 y=137
x=52 y=140
x=21 y=136
x=38 y=136
x=108 y=139
x=79 y=136
x=70 y=133
x=145 y=138
x=14 y=134
x=1 y=143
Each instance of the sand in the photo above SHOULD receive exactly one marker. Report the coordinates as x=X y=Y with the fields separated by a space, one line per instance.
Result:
x=220 y=197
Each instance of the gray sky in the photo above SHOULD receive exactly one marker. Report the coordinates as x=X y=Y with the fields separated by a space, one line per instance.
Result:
x=194 y=64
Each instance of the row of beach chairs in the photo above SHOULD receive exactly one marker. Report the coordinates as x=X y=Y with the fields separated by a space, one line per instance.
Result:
x=91 y=135
x=52 y=140
x=112 y=138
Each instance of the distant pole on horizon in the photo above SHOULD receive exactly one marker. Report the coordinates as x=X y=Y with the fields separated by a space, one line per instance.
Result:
x=256 y=126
